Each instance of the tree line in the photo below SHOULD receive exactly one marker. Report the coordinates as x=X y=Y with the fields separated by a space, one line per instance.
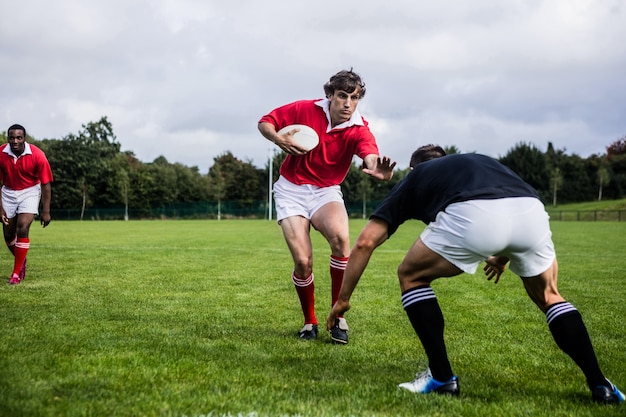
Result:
x=90 y=171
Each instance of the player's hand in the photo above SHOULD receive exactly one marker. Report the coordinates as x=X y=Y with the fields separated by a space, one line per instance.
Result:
x=45 y=219
x=383 y=169
x=338 y=309
x=3 y=216
x=289 y=145
x=495 y=266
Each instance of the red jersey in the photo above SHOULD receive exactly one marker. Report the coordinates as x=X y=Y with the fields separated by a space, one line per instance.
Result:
x=329 y=162
x=27 y=170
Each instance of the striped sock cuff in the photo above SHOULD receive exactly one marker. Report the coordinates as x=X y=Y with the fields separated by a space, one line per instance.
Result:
x=557 y=310
x=338 y=263
x=302 y=282
x=416 y=295
x=22 y=245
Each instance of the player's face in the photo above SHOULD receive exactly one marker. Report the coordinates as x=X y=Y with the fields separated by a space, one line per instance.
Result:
x=16 y=140
x=342 y=105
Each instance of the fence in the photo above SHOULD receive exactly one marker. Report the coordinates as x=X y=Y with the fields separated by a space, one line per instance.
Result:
x=258 y=210
x=201 y=210
x=588 y=215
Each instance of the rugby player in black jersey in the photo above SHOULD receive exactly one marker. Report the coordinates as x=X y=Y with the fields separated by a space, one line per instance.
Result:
x=476 y=210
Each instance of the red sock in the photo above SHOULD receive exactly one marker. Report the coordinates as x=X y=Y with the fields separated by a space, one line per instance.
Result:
x=305 y=287
x=21 y=249
x=337 y=268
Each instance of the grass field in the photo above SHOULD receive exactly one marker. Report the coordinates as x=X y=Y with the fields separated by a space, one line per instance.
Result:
x=199 y=318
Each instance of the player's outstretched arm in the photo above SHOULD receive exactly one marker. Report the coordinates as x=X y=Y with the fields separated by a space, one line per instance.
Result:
x=379 y=167
x=495 y=266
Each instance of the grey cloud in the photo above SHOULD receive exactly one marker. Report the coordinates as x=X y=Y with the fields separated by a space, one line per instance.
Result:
x=480 y=75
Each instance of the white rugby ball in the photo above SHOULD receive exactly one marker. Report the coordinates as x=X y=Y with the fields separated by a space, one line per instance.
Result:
x=306 y=137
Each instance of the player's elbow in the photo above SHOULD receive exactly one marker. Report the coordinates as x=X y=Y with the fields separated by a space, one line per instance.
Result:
x=370 y=161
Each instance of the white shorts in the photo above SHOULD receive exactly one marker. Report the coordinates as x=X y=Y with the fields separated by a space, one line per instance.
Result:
x=467 y=233
x=302 y=200
x=21 y=201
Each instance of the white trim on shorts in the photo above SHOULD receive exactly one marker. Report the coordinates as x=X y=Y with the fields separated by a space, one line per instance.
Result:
x=302 y=200
x=468 y=232
x=21 y=201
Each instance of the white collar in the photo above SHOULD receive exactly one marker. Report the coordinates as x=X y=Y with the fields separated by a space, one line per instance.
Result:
x=355 y=119
x=27 y=151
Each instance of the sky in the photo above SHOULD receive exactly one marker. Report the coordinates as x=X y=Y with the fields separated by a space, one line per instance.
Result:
x=189 y=79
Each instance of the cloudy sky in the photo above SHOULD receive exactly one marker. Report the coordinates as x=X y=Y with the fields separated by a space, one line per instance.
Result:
x=189 y=79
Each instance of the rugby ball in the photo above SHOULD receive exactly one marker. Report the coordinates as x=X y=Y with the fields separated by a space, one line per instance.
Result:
x=305 y=137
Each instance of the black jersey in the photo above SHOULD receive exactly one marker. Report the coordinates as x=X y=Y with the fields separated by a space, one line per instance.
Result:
x=433 y=185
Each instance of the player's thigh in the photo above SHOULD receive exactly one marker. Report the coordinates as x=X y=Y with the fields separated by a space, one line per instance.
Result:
x=542 y=289
x=331 y=220
x=421 y=265
x=458 y=235
x=24 y=220
x=10 y=202
x=296 y=230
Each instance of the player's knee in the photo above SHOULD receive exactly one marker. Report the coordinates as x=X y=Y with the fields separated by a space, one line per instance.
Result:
x=406 y=274
x=303 y=265
x=23 y=228
x=543 y=295
x=340 y=245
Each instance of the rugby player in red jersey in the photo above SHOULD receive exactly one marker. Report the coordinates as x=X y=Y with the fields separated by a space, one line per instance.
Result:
x=308 y=191
x=26 y=176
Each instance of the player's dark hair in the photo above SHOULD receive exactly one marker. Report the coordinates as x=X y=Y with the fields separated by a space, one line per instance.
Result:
x=426 y=153
x=16 y=127
x=345 y=80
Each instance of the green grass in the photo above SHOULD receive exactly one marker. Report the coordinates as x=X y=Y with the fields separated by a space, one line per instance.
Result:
x=192 y=318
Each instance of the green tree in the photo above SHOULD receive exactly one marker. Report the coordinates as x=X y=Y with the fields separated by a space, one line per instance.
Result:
x=273 y=172
x=191 y=186
x=603 y=179
x=101 y=143
x=278 y=157
x=82 y=166
x=556 y=180
x=61 y=158
x=616 y=157
x=141 y=179
x=616 y=148
x=217 y=185
x=451 y=150
x=531 y=165
x=163 y=190
x=120 y=182
x=243 y=183
x=578 y=184
x=364 y=187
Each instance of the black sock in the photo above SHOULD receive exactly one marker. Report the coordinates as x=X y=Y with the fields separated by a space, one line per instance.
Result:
x=423 y=310
x=570 y=334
